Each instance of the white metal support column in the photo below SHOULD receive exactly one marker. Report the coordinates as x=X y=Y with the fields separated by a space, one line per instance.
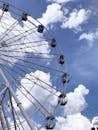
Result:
x=6 y=120
x=3 y=113
x=3 y=122
x=8 y=85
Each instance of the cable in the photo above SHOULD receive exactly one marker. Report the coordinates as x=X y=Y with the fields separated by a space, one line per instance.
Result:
x=30 y=63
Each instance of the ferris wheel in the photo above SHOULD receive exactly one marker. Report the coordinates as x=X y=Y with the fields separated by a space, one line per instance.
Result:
x=33 y=74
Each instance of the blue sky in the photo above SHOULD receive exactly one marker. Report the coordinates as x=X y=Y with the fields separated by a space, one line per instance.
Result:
x=78 y=40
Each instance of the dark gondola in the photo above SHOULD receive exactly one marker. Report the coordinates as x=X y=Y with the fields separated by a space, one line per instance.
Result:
x=40 y=28
x=65 y=78
x=5 y=7
x=93 y=128
x=61 y=59
x=24 y=16
x=50 y=122
x=62 y=99
x=53 y=43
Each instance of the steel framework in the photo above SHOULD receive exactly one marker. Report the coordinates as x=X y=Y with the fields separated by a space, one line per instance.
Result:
x=26 y=46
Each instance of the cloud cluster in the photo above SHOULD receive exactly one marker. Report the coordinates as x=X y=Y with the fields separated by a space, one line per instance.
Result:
x=76 y=101
x=71 y=20
x=76 y=19
x=53 y=14
x=73 y=122
x=90 y=37
x=73 y=117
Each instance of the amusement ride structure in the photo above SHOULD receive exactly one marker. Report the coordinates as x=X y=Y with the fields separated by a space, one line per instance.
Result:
x=28 y=51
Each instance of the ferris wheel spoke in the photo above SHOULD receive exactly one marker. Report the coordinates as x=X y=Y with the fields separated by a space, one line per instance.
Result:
x=22 y=51
x=39 y=86
x=24 y=44
x=29 y=62
x=32 y=23
x=37 y=79
x=20 y=35
x=30 y=98
x=36 y=101
x=15 y=40
x=9 y=30
x=32 y=56
x=28 y=42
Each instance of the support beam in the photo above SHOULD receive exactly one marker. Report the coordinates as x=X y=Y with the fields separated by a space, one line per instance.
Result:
x=12 y=110
x=6 y=120
x=8 y=85
x=3 y=122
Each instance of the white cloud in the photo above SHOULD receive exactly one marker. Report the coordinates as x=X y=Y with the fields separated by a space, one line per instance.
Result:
x=76 y=19
x=95 y=121
x=90 y=37
x=52 y=15
x=73 y=122
x=55 y=13
x=61 y=1
x=76 y=100
x=87 y=36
